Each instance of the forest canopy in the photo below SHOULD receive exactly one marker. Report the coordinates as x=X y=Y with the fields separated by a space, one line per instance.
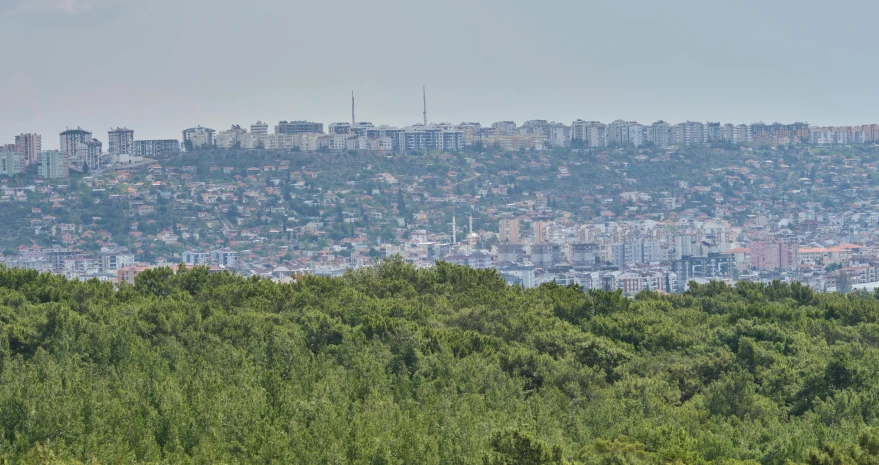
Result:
x=449 y=365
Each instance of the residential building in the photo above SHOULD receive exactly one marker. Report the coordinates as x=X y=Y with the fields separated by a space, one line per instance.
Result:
x=559 y=135
x=299 y=127
x=259 y=131
x=196 y=258
x=714 y=265
x=224 y=257
x=94 y=154
x=584 y=254
x=713 y=132
x=509 y=253
x=536 y=127
x=28 y=147
x=149 y=148
x=772 y=255
x=420 y=138
x=624 y=134
x=339 y=128
x=658 y=133
x=9 y=161
x=74 y=143
x=589 y=133
x=52 y=164
x=504 y=128
x=198 y=137
x=509 y=231
x=232 y=137
x=119 y=141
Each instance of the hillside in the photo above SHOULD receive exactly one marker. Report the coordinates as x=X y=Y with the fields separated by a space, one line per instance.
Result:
x=395 y=365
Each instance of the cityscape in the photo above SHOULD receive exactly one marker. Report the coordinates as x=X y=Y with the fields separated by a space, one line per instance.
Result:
x=502 y=196
x=392 y=233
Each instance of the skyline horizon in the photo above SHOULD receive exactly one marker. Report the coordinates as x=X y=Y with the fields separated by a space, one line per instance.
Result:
x=272 y=122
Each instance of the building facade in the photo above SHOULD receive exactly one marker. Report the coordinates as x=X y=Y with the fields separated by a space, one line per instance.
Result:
x=9 y=161
x=74 y=143
x=198 y=137
x=28 y=147
x=119 y=141
x=299 y=127
x=148 y=148
x=52 y=164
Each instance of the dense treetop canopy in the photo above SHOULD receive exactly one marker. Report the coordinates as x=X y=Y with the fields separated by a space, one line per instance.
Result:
x=398 y=365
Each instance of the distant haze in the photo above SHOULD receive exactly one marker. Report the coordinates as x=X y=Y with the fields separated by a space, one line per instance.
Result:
x=158 y=66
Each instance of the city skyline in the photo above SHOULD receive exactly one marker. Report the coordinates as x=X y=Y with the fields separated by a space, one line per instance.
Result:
x=636 y=61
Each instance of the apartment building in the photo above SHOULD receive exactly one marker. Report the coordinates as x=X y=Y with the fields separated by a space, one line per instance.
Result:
x=148 y=148
x=119 y=141
x=53 y=164
x=28 y=147
x=198 y=137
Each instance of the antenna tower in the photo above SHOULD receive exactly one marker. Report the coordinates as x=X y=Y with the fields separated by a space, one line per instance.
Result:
x=352 y=108
x=424 y=94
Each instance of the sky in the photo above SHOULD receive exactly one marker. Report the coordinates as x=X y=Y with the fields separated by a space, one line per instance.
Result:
x=159 y=66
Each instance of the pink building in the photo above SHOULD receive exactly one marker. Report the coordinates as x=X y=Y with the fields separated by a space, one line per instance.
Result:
x=771 y=255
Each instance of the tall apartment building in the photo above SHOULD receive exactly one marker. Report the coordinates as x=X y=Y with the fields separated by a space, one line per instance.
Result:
x=119 y=141
x=504 y=128
x=299 y=127
x=713 y=132
x=194 y=138
x=559 y=135
x=536 y=127
x=9 y=161
x=94 y=154
x=52 y=164
x=777 y=133
x=259 y=128
x=509 y=231
x=689 y=133
x=741 y=134
x=149 y=148
x=772 y=255
x=635 y=252
x=540 y=233
x=258 y=133
x=726 y=132
x=589 y=133
x=624 y=134
x=339 y=128
x=75 y=143
x=584 y=254
x=658 y=133
x=419 y=138
x=28 y=147
x=235 y=136
x=224 y=257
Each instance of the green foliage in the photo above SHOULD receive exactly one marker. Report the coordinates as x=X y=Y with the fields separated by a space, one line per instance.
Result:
x=397 y=365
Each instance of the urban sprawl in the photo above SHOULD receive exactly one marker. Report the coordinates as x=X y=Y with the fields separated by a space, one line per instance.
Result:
x=613 y=206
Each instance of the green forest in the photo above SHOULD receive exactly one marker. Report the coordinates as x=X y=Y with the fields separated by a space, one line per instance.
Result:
x=449 y=365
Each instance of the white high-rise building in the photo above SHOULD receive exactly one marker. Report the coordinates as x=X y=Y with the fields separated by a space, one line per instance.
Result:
x=658 y=133
x=52 y=164
x=74 y=143
x=624 y=134
x=589 y=133
x=197 y=137
x=119 y=141
x=9 y=161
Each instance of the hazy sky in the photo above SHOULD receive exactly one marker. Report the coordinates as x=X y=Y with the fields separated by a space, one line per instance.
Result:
x=158 y=66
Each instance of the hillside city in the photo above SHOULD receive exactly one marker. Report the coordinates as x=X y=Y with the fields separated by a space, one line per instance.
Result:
x=606 y=206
